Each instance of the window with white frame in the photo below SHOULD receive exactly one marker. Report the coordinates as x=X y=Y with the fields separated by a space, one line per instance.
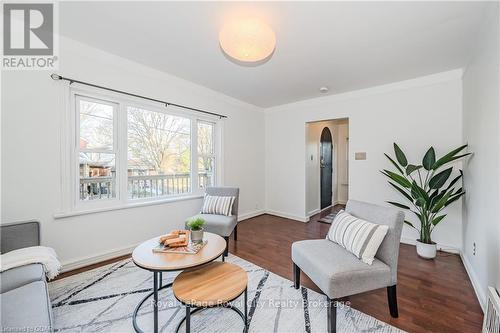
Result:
x=96 y=148
x=128 y=151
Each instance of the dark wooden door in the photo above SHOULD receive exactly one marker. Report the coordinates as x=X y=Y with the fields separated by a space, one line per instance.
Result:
x=326 y=149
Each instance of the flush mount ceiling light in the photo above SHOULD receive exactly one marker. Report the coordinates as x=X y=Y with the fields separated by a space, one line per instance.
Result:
x=247 y=40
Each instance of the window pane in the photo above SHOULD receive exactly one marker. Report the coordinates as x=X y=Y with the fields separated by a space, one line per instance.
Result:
x=206 y=161
x=96 y=125
x=205 y=138
x=159 y=154
x=206 y=175
x=97 y=176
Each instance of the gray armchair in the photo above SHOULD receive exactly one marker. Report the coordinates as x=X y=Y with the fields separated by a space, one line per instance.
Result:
x=220 y=224
x=339 y=273
x=24 y=295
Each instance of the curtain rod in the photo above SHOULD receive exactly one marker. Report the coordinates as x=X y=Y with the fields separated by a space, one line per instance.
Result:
x=59 y=77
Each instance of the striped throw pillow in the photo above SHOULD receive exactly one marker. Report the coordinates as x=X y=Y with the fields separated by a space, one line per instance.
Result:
x=360 y=237
x=217 y=205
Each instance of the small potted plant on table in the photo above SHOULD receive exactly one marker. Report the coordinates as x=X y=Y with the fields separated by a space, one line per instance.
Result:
x=428 y=191
x=196 y=225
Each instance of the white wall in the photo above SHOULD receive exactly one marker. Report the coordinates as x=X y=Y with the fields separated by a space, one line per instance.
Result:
x=416 y=114
x=481 y=127
x=339 y=130
x=31 y=152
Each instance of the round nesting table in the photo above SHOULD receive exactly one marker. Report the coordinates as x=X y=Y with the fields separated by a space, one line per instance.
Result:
x=144 y=257
x=211 y=285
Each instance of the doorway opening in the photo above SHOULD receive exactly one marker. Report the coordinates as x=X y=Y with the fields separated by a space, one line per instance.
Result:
x=327 y=165
x=326 y=168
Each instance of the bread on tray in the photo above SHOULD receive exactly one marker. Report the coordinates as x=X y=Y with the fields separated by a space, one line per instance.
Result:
x=176 y=238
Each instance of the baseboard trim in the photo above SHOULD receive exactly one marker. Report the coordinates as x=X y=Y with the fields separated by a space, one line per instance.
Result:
x=75 y=264
x=319 y=210
x=474 y=280
x=249 y=215
x=328 y=207
x=313 y=212
x=288 y=216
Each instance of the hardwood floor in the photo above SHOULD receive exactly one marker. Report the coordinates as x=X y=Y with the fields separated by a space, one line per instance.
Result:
x=433 y=295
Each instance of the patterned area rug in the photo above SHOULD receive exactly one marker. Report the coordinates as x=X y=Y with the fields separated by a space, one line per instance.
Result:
x=103 y=300
x=330 y=217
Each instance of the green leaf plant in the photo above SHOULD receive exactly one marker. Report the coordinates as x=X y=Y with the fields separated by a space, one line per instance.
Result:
x=196 y=223
x=423 y=186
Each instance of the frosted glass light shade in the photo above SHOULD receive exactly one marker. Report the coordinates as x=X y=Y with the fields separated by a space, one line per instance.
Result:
x=247 y=40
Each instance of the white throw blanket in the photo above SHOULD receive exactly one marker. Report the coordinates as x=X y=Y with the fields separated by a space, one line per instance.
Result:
x=32 y=255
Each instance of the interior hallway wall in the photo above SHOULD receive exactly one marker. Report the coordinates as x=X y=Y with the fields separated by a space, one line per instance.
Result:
x=378 y=116
x=342 y=138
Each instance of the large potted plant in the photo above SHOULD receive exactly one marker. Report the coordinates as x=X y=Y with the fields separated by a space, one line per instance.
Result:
x=427 y=189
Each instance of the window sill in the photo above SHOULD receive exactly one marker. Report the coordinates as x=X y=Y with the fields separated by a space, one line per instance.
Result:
x=127 y=206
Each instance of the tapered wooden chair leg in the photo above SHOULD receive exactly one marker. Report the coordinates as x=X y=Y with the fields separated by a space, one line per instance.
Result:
x=296 y=276
x=331 y=315
x=226 y=251
x=236 y=233
x=393 y=301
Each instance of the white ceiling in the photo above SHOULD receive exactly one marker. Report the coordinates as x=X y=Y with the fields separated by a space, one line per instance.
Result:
x=341 y=45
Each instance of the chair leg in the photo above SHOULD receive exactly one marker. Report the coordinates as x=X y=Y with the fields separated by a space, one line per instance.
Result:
x=226 y=251
x=236 y=233
x=331 y=315
x=296 y=276
x=392 y=300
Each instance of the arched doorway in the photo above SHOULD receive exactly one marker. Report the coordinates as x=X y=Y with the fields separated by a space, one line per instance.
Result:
x=326 y=168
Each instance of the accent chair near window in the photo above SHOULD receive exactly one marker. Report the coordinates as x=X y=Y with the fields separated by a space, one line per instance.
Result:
x=24 y=292
x=222 y=225
x=339 y=273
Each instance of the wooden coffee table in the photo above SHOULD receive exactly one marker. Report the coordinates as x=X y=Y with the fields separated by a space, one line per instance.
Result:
x=144 y=257
x=211 y=285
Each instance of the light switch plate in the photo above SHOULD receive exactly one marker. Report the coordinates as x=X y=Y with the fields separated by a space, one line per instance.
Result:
x=360 y=156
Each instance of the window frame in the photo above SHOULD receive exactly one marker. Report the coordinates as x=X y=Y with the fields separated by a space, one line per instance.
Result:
x=70 y=138
x=212 y=155
x=77 y=150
